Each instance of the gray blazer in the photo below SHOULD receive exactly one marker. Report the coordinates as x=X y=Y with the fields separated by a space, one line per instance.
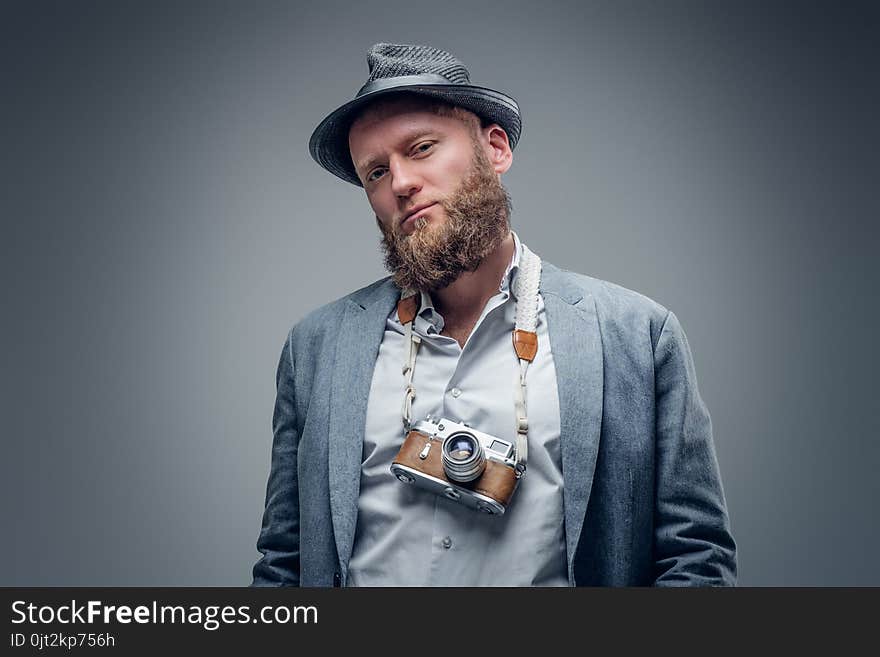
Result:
x=642 y=491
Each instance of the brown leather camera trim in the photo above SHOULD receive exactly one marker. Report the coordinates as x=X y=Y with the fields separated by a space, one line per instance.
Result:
x=498 y=481
x=409 y=455
x=526 y=344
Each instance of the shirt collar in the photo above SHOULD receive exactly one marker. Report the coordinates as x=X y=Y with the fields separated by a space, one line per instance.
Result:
x=513 y=268
x=430 y=314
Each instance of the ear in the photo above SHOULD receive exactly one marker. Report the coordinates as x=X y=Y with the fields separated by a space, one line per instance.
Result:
x=497 y=147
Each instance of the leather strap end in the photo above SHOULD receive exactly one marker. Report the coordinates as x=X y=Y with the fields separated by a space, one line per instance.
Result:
x=526 y=344
x=407 y=309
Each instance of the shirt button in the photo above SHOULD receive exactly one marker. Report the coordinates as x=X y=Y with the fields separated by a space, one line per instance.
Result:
x=447 y=542
x=456 y=393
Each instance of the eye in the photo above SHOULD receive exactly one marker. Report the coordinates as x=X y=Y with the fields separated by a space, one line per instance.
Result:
x=375 y=174
x=424 y=147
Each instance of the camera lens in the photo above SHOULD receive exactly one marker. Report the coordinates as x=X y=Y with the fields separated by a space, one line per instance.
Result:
x=463 y=458
x=461 y=448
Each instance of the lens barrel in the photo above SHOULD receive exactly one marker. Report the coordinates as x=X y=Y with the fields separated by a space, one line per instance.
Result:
x=463 y=457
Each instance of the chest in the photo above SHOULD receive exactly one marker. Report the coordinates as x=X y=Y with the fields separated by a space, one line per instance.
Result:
x=459 y=332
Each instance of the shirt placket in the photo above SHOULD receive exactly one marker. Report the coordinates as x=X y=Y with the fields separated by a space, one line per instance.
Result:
x=452 y=521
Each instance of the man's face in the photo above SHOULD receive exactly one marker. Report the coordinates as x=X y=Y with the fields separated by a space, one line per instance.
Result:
x=433 y=183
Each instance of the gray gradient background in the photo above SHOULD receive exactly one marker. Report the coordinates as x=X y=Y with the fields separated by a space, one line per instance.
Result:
x=163 y=227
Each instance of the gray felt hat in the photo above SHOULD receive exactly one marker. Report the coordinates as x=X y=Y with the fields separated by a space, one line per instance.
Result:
x=415 y=69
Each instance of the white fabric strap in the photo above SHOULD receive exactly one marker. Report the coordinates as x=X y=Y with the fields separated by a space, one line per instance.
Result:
x=522 y=420
x=526 y=285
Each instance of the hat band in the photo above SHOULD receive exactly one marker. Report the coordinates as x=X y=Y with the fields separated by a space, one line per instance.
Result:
x=402 y=81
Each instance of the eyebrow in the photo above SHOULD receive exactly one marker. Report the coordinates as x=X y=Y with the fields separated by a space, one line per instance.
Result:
x=412 y=135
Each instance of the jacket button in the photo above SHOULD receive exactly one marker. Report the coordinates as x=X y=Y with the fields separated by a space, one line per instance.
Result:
x=337 y=580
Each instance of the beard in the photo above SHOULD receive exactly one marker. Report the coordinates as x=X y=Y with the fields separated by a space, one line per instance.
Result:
x=477 y=221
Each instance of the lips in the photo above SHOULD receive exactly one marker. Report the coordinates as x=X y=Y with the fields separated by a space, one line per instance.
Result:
x=409 y=218
x=412 y=213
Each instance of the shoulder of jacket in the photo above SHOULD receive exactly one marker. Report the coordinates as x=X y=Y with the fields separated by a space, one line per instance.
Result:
x=330 y=313
x=617 y=307
x=611 y=296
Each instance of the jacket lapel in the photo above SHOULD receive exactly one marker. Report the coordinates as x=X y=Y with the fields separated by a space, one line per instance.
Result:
x=577 y=355
x=359 y=336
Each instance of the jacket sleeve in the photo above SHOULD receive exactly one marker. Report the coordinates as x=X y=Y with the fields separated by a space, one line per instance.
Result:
x=279 y=537
x=693 y=545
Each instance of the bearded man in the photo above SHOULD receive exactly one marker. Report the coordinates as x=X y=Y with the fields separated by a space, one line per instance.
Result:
x=480 y=417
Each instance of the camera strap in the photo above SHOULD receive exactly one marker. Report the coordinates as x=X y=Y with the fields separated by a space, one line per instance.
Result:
x=525 y=344
x=407 y=309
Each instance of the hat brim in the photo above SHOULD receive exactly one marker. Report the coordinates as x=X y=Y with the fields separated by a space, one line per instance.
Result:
x=328 y=144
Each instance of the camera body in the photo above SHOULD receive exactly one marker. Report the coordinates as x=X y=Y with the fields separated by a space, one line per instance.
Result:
x=452 y=459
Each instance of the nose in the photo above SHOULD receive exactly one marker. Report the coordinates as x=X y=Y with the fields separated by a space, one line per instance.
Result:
x=405 y=180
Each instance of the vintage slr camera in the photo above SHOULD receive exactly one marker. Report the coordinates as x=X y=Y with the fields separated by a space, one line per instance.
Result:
x=451 y=459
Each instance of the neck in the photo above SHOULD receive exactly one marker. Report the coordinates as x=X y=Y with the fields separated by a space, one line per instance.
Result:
x=467 y=295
